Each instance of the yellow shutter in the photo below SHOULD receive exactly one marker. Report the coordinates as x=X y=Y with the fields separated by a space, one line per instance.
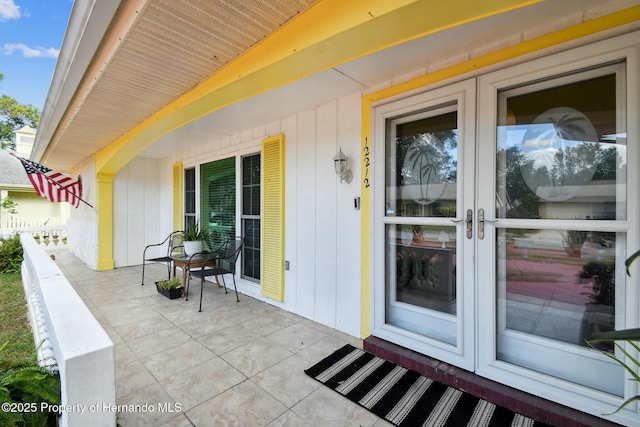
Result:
x=272 y=216
x=177 y=196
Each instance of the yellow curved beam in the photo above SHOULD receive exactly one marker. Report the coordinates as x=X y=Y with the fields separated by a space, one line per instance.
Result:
x=329 y=33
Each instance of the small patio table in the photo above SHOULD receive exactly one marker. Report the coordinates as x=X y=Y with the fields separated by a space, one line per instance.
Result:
x=186 y=261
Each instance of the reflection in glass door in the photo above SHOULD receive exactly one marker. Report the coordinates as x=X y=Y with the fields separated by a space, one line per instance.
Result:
x=502 y=254
x=421 y=299
x=421 y=256
x=560 y=226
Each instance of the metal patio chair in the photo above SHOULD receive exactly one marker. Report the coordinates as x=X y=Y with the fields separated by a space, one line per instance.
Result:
x=175 y=247
x=223 y=261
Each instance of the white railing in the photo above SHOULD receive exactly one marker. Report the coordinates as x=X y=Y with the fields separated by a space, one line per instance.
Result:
x=49 y=235
x=83 y=352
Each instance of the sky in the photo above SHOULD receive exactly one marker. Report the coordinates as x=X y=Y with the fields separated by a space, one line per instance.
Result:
x=31 y=33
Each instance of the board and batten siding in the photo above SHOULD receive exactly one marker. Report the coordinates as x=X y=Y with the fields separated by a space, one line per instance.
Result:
x=142 y=208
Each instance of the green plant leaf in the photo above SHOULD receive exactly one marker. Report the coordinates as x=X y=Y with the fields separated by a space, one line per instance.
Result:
x=624 y=334
x=627 y=367
x=630 y=260
x=625 y=403
x=34 y=384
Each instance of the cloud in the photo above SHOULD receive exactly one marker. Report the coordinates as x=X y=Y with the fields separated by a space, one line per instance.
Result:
x=9 y=10
x=29 y=52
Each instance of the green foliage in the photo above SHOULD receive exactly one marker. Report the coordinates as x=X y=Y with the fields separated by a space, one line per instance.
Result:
x=14 y=116
x=604 y=283
x=172 y=283
x=574 y=237
x=14 y=323
x=628 y=335
x=10 y=254
x=193 y=232
x=21 y=383
x=9 y=205
x=631 y=336
x=446 y=211
x=29 y=385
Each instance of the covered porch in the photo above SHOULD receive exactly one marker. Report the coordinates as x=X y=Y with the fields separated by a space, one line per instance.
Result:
x=233 y=364
x=242 y=363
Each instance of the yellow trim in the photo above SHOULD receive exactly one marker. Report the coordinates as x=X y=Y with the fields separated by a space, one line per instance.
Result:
x=474 y=65
x=329 y=33
x=313 y=41
x=104 y=202
x=177 y=196
x=272 y=218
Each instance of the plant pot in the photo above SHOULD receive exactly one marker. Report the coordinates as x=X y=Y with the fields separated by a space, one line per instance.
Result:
x=170 y=293
x=192 y=247
x=573 y=250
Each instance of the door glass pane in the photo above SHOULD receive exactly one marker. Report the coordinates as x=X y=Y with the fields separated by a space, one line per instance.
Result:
x=562 y=149
x=425 y=263
x=421 y=274
x=548 y=290
x=561 y=156
x=422 y=166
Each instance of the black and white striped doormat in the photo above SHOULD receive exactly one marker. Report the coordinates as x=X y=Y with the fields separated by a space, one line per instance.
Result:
x=404 y=397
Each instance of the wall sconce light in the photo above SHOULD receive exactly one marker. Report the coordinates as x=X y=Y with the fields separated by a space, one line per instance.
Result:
x=340 y=163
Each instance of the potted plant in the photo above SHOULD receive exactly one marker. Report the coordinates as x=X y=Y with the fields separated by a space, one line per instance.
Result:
x=631 y=336
x=171 y=288
x=193 y=237
x=573 y=240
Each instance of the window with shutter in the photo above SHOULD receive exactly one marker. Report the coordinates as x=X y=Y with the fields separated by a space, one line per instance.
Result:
x=250 y=218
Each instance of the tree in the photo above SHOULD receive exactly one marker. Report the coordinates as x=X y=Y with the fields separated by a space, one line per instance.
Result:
x=14 y=116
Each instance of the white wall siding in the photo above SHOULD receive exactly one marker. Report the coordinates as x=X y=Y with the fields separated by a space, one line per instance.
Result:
x=348 y=224
x=141 y=208
x=322 y=228
x=326 y=216
x=322 y=231
x=289 y=127
x=303 y=261
x=82 y=228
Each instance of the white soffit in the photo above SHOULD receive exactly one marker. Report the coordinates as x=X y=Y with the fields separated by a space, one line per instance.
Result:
x=176 y=44
x=172 y=46
x=417 y=56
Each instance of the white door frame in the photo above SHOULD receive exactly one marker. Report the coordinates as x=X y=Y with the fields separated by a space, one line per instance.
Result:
x=477 y=321
x=623 y=48
x=464 y=94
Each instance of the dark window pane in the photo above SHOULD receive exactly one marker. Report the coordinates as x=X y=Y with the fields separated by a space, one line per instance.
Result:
x=218 y=199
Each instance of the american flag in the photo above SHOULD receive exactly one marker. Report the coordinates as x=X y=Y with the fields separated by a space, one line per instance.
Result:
x=53 y=186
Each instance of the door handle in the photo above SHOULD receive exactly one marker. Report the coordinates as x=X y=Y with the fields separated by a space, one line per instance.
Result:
x=469 y=221
x=481 y=222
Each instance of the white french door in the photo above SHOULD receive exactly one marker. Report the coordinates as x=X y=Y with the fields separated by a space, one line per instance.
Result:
x=503 y=223
x=424 y=299
x=550 y=268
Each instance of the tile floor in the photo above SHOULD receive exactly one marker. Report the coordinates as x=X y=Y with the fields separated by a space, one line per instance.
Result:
x=234 y=364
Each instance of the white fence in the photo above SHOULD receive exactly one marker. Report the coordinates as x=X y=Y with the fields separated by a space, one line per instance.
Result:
x=83 y=352
x=25 y=222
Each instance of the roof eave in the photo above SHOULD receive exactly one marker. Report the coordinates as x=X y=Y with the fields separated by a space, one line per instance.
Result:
x=88 y=23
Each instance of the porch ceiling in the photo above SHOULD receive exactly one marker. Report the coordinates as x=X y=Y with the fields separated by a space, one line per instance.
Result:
x=170 y=46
